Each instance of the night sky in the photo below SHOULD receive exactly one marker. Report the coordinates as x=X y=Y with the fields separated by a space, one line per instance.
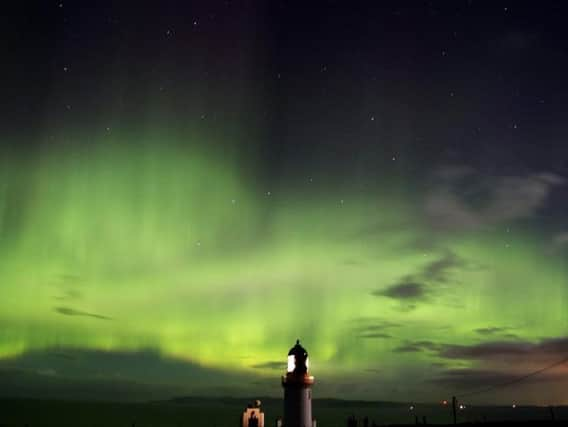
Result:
x=188 y=187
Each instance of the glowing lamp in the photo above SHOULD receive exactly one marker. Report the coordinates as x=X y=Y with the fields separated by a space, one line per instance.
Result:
x=291 y=363
x=298 y=360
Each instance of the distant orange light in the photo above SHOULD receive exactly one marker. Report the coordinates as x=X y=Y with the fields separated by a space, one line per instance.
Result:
x=444 y=402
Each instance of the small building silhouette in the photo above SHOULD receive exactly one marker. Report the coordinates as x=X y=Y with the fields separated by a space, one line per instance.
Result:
x=253 y=415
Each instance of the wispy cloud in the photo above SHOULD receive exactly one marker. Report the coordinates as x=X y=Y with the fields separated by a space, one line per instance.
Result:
x=549 y=349
x=403 y=291
x=561 y=239
x=67 y=311
x=69 y=295
x=418 y=347
x=383 y=335
x=272 y=364
x=503 y=331
x=419 y=286
x=438 y=270
x=463 y=198
x=373 y=328
x=544 y=349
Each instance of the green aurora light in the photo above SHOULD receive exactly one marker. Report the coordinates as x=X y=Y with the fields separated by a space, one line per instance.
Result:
x=163 y=245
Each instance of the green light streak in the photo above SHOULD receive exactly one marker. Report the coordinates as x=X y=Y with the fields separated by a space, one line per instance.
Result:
x=189 y=256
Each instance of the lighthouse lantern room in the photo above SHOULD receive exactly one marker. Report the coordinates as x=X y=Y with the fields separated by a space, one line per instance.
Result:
x=297 y=385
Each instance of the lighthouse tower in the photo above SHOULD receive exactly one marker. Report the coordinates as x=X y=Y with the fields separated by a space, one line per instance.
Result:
x=297 y=385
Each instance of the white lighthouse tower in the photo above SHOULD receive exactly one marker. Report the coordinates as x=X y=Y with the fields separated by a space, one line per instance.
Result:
x=297 y=385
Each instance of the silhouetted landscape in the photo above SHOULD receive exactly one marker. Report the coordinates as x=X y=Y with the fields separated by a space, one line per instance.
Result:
x=224 y=412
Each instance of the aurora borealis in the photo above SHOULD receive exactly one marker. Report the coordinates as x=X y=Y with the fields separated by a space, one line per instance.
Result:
x=209 y=184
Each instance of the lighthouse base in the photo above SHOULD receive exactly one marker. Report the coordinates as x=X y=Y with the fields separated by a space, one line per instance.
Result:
x=298 y=407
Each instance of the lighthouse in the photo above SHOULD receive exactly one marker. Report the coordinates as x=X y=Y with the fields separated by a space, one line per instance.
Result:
x=297 y=385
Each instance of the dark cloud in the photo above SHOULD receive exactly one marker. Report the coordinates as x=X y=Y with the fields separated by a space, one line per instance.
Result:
x=420 y=286
x=373 y=328
x=438 y=270
x=403 y=291
x=485 y=350
x=549 y=349
x=382 y=335
x=491 y=330
x=67 y=311
x=69 y=295
x=553 y=345
x=417 y=347
x=273 y=364
x=465 y=199
x=374 y=323
x=503 y=331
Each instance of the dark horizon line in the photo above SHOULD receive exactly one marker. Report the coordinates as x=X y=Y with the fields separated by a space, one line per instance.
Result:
x=248 y=399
